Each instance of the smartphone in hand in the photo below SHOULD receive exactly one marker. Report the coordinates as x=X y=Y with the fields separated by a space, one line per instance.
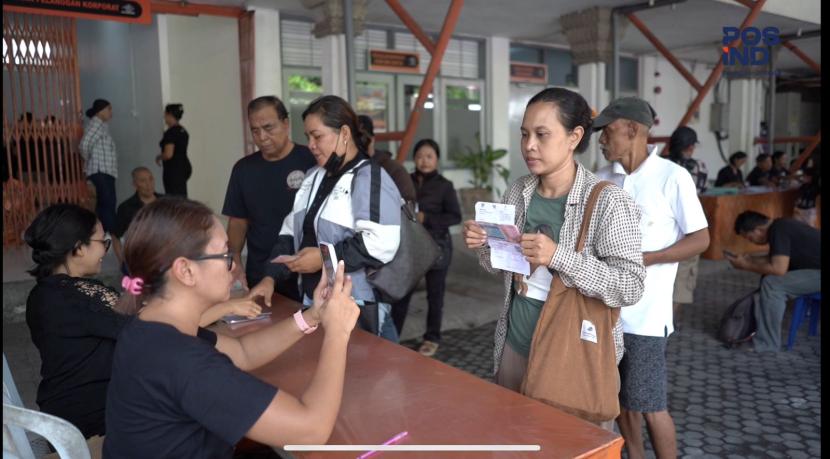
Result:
x=329 y=261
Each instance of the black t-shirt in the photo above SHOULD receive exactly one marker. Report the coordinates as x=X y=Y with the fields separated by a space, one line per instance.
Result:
x=174 y=395
x=74 y=328
x=178 y=167
x=262 y=192
x=796 y=239
x=756 y=175
x=126 y=213
x=727 y=175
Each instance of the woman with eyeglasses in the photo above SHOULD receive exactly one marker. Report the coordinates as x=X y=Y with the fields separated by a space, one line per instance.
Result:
x=70 y=315
x=179 y=390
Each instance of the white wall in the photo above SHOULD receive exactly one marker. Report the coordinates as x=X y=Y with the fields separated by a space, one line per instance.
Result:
x=202 y=72
x=120 y=62
x=675 y=97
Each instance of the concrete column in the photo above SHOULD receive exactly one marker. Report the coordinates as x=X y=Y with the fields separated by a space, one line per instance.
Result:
x=497 y=102
x=592 y=87
x=267 y=56
x=330 y=28
x=335 y=76
x=746 y=110
x=589 y=33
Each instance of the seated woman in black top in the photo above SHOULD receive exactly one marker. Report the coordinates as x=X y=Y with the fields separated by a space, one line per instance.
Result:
x=760 y=174
x=178 y=390
x=173 y=157
x=70 y=316
x=731 y=175
x=438 y=209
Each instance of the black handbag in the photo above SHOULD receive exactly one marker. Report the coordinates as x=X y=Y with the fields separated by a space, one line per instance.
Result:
x=417 y=251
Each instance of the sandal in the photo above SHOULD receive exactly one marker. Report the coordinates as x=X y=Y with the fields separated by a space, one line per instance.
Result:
x=428 y=348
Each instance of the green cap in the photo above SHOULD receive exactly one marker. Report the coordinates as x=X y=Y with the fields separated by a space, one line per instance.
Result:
x=629 y=108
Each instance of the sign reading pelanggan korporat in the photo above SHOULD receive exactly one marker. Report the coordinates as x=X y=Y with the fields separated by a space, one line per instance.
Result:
x=384 y=60
x=137 y=11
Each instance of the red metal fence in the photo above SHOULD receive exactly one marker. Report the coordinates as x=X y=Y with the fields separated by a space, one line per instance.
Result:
x=41 y=119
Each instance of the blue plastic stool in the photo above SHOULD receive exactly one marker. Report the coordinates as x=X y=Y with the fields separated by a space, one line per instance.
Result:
x=806 y=305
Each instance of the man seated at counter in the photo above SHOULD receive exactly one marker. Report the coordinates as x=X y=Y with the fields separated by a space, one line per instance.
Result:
x=779 y=167
x=791 y=268
x=760 y=175
x=731 y=175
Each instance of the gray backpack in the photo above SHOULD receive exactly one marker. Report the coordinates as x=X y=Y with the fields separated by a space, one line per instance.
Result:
x=416 y=253
x=738 y=322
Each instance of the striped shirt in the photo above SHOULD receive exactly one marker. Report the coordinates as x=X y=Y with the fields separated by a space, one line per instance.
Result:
x=98 y=149
x=609 y=268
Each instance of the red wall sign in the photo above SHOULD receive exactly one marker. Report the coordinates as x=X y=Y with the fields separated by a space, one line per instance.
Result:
x=522 y=72
x=137 y=11
x=385 y=60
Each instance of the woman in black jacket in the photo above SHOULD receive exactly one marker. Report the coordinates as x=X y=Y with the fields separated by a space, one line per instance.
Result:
x=438 y=209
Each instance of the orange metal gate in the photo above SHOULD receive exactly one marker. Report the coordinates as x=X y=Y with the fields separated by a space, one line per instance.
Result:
x=41 y=119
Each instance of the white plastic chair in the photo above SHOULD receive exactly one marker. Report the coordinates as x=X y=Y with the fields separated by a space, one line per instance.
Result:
x=64 y=437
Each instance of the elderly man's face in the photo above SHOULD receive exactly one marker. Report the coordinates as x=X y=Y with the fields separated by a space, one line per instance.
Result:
x=616 y=139
x=144 y=183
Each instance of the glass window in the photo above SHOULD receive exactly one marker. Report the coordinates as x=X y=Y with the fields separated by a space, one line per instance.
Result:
x=426 y=122
x=372 y=99
x=302 y=90
x=464 y=112
x=629 y=75
x=522 y=53
x=299 y=46
x=561 y=69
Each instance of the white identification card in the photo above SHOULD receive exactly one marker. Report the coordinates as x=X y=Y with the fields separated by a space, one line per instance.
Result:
x=589 y=332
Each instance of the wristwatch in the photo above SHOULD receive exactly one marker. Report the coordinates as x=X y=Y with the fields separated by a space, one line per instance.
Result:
x=302 y=324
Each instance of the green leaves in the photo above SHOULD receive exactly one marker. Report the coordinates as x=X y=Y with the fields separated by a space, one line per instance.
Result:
x=482 y=164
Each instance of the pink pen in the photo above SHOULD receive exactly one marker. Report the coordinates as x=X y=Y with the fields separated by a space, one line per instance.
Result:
x=392 y=440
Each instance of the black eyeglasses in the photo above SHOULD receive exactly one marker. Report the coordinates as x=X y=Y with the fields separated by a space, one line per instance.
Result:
x=107 y=243
x=226 y=256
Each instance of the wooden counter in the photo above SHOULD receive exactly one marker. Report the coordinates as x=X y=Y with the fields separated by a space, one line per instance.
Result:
x=390 y=389
x=721 y=212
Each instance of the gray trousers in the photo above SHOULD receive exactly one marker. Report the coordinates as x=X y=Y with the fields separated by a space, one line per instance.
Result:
x=775 y=291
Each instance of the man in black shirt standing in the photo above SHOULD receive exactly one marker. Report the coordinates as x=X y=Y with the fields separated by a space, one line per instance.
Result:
x=261 y=191
x=145 y=193
x=791 y=269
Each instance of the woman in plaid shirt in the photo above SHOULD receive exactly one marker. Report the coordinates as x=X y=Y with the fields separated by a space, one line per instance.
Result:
x=550 y=202
x=100 y=161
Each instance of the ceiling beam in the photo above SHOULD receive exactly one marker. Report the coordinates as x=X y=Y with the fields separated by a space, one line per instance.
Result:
x=813 y=64
x=664 y=51
x=645 y=6
x=194 y=9
x=718 y=70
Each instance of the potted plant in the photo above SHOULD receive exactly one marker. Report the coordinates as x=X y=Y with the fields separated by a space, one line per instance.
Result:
x=482 y=163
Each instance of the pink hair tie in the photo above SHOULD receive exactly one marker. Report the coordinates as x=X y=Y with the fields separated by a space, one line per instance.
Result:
x=132 y=285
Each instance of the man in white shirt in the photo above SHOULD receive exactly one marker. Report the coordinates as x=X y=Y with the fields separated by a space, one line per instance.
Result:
x=674 y=228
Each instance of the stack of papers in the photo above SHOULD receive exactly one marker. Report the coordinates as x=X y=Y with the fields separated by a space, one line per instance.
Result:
x=503 y=237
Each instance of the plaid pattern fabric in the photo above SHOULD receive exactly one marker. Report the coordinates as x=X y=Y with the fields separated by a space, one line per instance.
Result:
x=611 y=265
x=98 y=149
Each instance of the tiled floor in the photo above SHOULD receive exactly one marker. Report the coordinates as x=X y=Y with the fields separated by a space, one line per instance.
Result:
x=725 y=402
